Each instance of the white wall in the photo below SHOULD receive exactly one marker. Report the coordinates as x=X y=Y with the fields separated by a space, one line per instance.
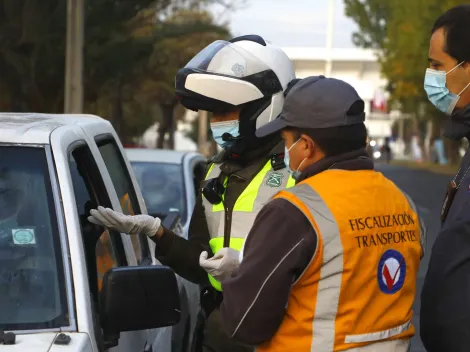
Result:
x=182 y=143
x=358 y=67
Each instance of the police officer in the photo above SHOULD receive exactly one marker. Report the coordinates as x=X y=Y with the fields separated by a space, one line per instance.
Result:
x=331 y=263
x=445 y=298
x=242 y=82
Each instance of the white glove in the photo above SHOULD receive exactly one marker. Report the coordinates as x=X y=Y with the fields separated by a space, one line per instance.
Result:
x=131 y=224
x=222 y=265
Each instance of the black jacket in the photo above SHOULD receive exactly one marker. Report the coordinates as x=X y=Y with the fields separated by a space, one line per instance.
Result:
x=445 y=298
x=183 y=255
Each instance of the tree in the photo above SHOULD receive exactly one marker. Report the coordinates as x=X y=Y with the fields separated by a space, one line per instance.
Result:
x=401 y=30
x=183 y=34
x=123 y=42
x=372 y=18
x=32 y=49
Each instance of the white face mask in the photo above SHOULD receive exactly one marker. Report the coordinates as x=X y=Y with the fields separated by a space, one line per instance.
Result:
x=295 y=174
x=220 y=128
x=435 y=85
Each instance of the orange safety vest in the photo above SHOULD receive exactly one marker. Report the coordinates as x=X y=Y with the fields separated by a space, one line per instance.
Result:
x=126 y=205
x=360 y=285
x=104 y=261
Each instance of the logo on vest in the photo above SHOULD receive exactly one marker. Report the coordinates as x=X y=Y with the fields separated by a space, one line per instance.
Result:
x=391 y=272
x=275 y=179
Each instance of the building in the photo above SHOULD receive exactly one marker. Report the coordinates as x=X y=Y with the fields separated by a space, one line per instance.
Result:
x=358 y=67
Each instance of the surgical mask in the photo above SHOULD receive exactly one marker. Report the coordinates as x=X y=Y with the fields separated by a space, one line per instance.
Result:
x=220 y=128
x=438 y=94
x=295 y=174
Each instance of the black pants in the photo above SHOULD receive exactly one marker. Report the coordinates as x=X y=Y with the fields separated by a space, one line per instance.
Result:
x=210 y=336
x=217 y=340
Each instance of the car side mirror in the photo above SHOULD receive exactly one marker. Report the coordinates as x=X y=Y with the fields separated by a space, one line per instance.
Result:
x=138 y=298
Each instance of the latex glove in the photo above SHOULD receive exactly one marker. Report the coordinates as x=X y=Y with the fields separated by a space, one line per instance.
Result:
x=222 y=265
x=131 y=224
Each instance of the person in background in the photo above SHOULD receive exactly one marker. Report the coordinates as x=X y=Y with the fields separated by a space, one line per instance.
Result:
x=243 y=83
x=445 y=298
x=386 y=150
x=369 y=150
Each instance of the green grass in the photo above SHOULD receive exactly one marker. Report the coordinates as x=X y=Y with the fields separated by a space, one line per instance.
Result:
x=440 y=169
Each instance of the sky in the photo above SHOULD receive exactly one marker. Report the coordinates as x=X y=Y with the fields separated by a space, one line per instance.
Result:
x=289 y=23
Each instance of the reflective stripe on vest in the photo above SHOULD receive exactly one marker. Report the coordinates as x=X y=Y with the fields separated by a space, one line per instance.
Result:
x=258 y=192
x=344 y=299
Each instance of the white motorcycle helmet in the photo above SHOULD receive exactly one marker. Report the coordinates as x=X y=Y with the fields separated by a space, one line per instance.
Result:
x=245 y=72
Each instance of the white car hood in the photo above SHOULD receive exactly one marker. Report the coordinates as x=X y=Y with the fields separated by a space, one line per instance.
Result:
x=43 y=342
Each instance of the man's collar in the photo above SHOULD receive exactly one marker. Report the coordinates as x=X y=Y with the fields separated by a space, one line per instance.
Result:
x=354 y=160
x=458 y=126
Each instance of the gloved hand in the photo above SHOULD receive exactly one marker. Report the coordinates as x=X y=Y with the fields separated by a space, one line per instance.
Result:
x=222 y=265
x=130 y=224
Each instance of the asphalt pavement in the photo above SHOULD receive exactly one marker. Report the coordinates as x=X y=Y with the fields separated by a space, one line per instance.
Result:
x=427 y=189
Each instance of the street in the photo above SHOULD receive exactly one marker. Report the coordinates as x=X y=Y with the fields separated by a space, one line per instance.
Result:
x=427 y=190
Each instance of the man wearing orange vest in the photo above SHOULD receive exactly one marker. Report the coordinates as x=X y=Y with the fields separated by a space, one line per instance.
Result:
x=330 y=264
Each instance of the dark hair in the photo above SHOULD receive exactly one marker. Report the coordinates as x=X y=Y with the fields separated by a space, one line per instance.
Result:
x=456 y=25
x=336 y=140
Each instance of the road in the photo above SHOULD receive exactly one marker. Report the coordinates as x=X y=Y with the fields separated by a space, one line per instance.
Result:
x=427 y=189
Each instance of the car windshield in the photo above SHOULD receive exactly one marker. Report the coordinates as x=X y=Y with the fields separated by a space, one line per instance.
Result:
x=32 y=289
x=162 y=186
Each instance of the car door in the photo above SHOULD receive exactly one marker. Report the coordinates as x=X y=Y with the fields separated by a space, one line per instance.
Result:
x=123 y=181
x=90 y=185
x=62 y=142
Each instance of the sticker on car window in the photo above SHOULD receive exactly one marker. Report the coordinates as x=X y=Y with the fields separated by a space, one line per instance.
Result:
x=23 y=236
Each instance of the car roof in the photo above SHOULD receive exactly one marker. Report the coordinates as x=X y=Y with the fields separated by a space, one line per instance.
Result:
x=35 y=128
x=157 y=155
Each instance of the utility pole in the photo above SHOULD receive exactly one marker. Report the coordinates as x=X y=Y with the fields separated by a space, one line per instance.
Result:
x=202 y=137
x=73 y=96
x=329 y=38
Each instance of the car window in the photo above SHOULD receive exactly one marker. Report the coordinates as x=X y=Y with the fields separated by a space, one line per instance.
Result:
x=32 y=280
x=103 y=249
x=125 y=190
x=162 y=186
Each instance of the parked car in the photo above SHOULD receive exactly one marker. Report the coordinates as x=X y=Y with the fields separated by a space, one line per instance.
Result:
x=66 y=283
x=169 y=181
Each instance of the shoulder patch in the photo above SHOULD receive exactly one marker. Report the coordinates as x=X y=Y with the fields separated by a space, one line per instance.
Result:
x=275 y=179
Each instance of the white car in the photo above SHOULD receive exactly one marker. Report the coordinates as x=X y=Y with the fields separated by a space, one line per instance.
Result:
x=169 y=181
x=67 y=284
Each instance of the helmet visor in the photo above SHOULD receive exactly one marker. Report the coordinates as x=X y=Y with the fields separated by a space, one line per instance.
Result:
x=228 y=59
